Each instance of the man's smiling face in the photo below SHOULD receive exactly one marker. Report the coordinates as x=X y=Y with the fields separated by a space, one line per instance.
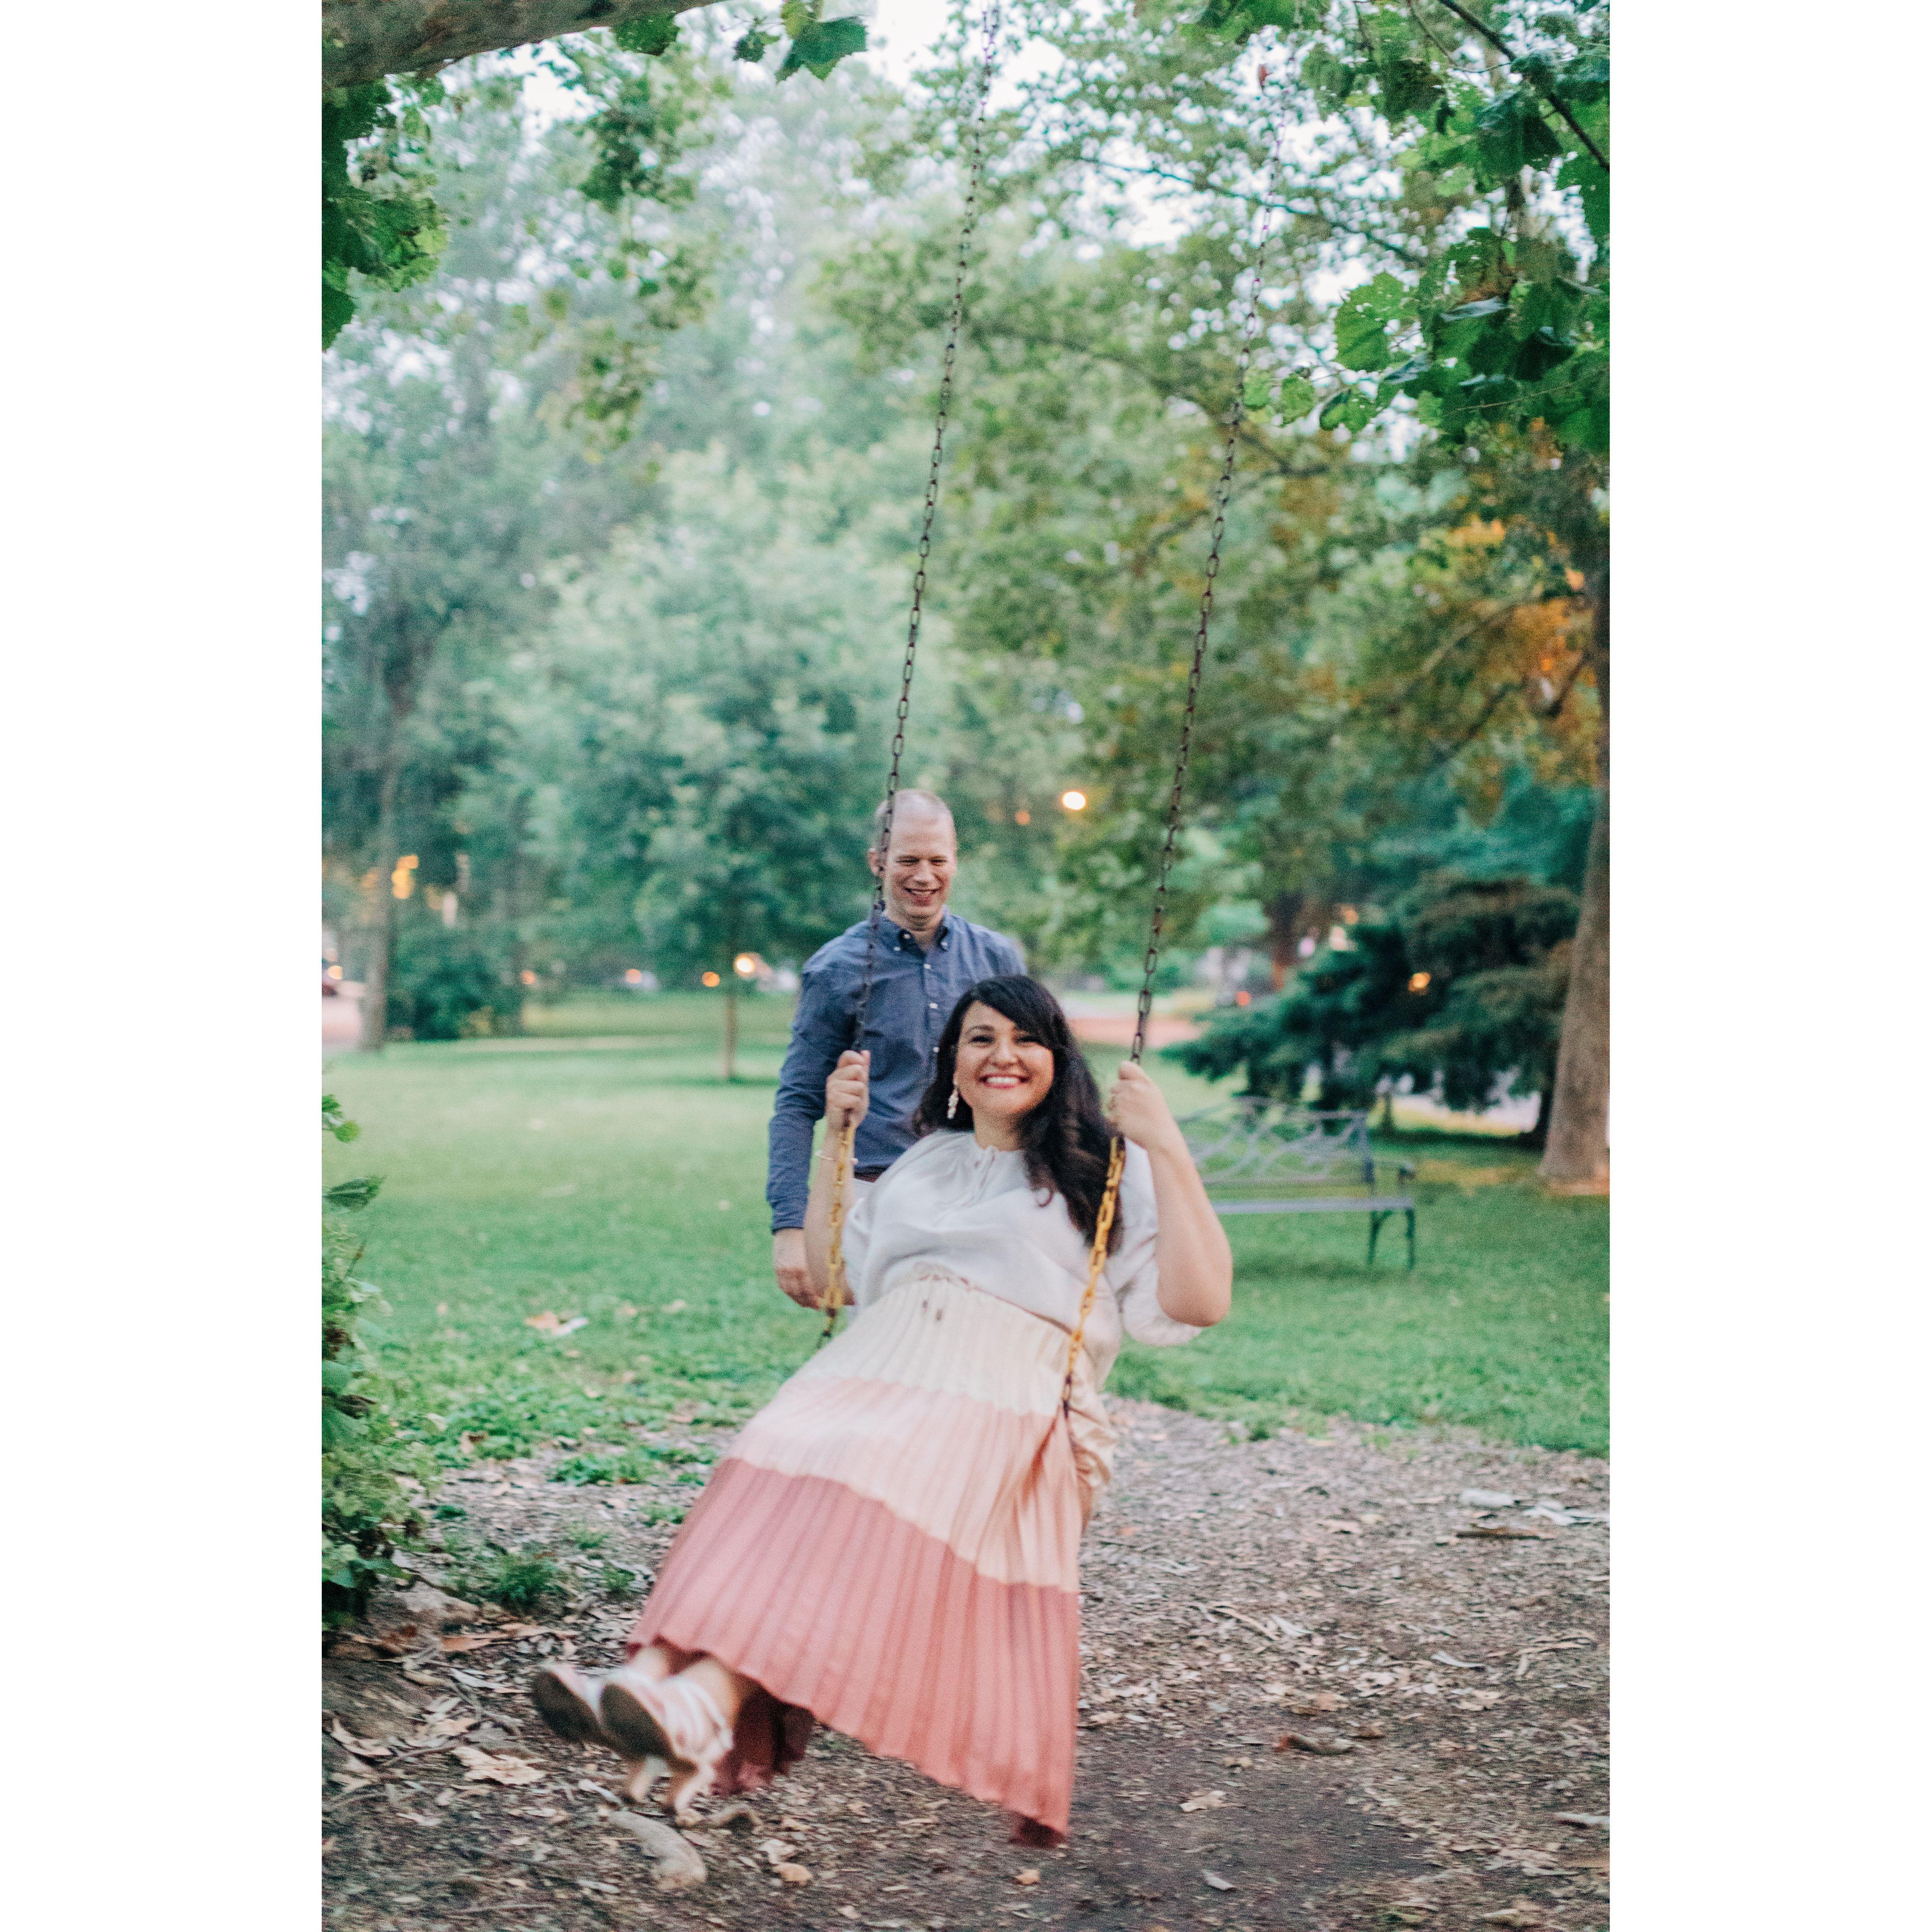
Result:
x=919 y=874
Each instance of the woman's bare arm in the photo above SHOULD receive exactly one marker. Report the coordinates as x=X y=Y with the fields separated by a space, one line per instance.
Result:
x=1191 y=1253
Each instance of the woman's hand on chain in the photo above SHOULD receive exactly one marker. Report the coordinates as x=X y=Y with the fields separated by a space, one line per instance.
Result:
x=847 y=1091
x=1139 y=1109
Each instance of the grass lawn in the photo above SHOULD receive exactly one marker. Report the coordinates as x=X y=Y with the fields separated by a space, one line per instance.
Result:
x=598 y=1167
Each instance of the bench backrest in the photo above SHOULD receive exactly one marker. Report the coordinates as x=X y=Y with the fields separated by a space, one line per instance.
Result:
x=1259 y=1149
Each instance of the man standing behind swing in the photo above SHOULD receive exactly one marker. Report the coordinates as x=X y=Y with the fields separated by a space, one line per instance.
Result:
x=925 y=958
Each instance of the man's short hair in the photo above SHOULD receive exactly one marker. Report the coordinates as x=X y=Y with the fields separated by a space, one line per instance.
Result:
x=906 y=795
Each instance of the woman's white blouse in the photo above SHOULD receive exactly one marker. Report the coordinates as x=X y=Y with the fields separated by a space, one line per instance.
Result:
x=948 y=1203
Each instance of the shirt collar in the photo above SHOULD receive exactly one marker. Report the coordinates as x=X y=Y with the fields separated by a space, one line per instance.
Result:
x=905 y=938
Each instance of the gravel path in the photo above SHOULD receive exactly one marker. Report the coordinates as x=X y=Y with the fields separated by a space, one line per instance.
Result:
x=1439 y=1656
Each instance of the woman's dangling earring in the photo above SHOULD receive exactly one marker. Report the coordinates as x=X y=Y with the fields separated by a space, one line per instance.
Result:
x=953 y=1105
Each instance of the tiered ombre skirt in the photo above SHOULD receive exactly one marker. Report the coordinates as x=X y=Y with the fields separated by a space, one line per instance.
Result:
x=891 y=1548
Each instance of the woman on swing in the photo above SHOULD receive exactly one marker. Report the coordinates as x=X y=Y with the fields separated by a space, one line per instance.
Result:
x=890 y=1547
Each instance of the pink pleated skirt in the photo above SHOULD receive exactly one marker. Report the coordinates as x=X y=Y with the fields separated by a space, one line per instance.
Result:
x=890 y=1548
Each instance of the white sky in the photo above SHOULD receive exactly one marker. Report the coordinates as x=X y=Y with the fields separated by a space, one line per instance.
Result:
x=899 y=31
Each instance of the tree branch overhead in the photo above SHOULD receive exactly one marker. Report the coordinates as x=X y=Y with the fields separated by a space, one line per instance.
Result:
x=364 y=40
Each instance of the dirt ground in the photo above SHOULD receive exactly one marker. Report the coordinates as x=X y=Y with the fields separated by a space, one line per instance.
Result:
x=1445 y=1654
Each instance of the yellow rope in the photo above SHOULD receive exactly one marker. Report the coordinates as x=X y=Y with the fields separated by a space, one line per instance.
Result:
x=836 y=1297
x=1096 y=1260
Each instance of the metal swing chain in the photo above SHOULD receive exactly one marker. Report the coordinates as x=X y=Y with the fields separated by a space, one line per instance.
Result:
x=1117 y=1156
x=836 y=1297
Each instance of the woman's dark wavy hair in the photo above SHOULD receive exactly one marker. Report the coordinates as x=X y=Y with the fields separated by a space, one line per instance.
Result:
x=1065 y=1139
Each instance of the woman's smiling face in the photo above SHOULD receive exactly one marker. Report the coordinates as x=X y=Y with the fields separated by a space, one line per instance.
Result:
x=1001 y=1071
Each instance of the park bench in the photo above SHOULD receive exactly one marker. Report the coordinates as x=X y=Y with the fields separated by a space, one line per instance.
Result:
x=1263 y=1156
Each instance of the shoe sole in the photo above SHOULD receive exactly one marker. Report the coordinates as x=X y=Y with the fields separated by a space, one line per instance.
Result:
x=635 y=1731
x=563 y=1706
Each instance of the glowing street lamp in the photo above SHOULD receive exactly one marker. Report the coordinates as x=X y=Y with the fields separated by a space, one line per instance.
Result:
x=709 y=978
x=746 y=965
x=1418 y=982
x=1074 y=801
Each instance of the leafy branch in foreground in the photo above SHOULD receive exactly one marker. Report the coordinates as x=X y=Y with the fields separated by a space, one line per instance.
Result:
x=1506 y=326
x=366 y=1512
x=380 y=218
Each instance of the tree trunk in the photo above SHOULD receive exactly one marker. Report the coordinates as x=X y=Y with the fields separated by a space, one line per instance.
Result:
x=1578 y=1154
x=731 y=1022
x=382 y=934
x=364 y=40
x=1284 y=918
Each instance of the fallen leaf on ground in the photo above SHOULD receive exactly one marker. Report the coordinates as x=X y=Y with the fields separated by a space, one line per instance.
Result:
x=776 y=1850
x=1368 y=1732
x=1103 y=1717
x=1339 y=1527
x=1503 y=1532
x=358 y=1747
x=1478 y=1700
x=479 y=1764
x=1215 y=1878
x=1315 y=1705
x=1454 y=1662
x=1030 y=1876
x=794 y=1874
x=1487 y=1499
x=737 y=1817
x=1518 y=1912
x=476 y=1639
x=1582 y=1818
x=1321 y=1746
x=439 y=1728
x=676 y=1865
x=1205 y=1801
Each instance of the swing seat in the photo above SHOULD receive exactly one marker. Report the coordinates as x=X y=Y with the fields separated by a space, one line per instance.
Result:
x=1261 y=1157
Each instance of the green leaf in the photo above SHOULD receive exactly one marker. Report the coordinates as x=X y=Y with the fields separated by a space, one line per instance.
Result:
x=338 y=1428
x=1593 y=188
x=1546 y=305
x=1330 y=80
x=1409 y=90
x=822 y=44
x=336 y=1378
x=1361 y=324
x=1351 y=409
x=1511 y=134
x=752 y=45
x=1238 y=20
x=1297 y=398
x=1255 y=392
x=353 y=1194
x=1540 y=353
x=1475 y=310
x=655 y=34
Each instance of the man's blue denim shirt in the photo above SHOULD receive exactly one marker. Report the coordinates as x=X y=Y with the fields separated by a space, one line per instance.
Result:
x=913 y=994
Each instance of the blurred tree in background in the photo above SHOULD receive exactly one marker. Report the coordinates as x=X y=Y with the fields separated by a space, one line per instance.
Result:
x=1464 y=984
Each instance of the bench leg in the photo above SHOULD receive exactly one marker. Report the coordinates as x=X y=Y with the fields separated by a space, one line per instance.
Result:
x=1375 y=1234
x=1411 y=1213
